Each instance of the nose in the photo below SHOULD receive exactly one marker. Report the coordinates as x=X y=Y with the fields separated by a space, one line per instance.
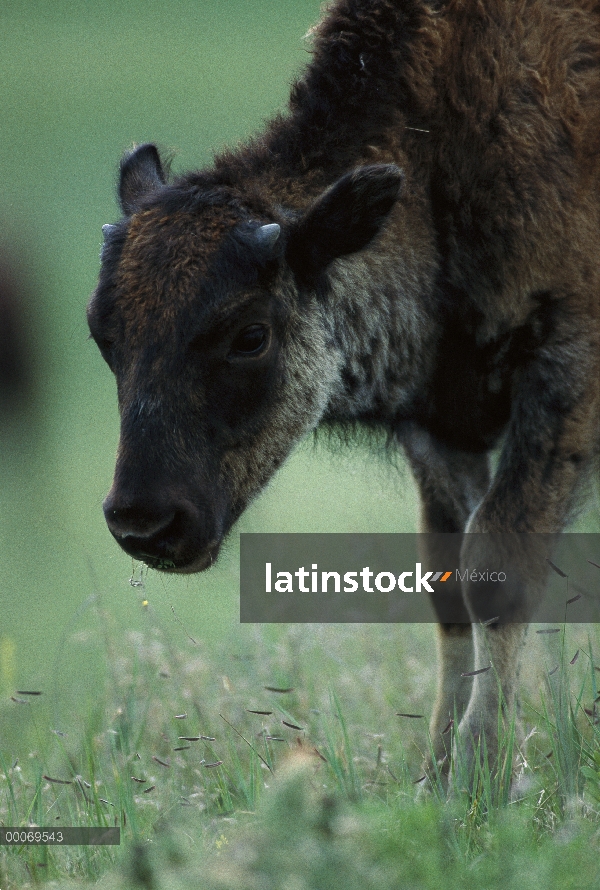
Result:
x=152 y=532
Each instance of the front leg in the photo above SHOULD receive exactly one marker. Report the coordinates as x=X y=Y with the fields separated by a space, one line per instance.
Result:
x=549 y=450
x=451 y=484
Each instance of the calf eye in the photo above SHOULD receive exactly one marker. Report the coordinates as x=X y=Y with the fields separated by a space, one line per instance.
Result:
x=251 y=340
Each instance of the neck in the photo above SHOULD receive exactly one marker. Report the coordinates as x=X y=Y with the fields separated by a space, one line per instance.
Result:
x=381 y=325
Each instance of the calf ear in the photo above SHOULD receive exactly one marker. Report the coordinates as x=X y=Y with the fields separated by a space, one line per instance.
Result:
x=141 y=174
x=344 y=218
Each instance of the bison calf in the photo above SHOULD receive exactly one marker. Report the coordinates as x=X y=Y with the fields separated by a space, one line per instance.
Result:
x=413 y=245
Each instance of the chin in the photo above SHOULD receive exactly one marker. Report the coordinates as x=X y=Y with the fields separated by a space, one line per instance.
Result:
x=187 y=566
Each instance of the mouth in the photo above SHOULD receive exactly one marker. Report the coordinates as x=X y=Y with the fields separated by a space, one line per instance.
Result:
x=183 y=566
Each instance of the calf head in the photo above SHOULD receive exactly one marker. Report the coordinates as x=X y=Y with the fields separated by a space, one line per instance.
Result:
x=211 y=312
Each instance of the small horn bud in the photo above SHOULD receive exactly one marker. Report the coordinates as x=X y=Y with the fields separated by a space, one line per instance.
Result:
x=266 y=236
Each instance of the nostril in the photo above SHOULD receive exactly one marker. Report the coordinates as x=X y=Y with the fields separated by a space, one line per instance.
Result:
x=158 y=532
x=136 y=526
x=154 y=541
x=137 y=521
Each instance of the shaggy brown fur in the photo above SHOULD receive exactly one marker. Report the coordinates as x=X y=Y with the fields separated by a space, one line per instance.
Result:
x=413 y=246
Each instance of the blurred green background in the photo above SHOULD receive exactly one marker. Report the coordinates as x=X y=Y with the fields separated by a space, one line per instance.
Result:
x=81 y=82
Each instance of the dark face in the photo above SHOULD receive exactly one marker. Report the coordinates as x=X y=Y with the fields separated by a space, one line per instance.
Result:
x=220 y=366
x=213 y=377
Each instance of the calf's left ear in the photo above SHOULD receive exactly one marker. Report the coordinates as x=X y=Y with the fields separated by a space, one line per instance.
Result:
x=344 y=218
x=141 y=174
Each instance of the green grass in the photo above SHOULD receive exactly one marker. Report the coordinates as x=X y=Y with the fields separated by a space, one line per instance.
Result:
x=334 y=800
